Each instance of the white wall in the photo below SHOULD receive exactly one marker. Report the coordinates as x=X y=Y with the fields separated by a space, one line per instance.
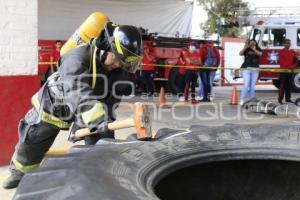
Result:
x=232 y=59
x=18 y=37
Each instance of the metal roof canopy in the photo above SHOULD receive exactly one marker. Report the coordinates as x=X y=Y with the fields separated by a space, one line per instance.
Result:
x=59 y=19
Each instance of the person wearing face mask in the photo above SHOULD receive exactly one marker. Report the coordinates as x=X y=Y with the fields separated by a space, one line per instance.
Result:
x=211 y=58
x=251 y=53
x=83 y=92
x=191 y=61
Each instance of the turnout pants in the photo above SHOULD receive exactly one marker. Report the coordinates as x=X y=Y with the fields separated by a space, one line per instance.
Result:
x=35 y=139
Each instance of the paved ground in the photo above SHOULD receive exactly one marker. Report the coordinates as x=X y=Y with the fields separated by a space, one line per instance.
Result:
x=182 y=116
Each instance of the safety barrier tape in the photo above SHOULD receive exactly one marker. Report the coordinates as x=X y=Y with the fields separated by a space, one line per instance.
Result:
x=276 y=70
x=47 y=63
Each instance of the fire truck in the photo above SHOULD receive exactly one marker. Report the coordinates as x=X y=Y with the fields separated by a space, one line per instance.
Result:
x=270 y=27
x=165 y=49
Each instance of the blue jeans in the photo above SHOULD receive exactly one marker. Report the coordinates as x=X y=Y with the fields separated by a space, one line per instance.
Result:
x=212 y=78
x=206 y=80
x=200 y=90
x=249 y=80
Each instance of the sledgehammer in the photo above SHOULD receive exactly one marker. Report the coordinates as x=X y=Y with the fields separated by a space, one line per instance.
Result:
x=141 y=120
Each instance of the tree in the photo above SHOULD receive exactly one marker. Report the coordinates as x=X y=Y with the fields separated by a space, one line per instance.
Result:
x=222 y=16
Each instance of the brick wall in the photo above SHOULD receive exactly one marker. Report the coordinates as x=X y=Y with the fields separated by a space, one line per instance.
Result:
x=18 y=37
x=18 y=68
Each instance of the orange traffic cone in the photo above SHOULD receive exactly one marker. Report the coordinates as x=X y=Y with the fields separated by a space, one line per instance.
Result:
x=162 y=98
x=234 y=96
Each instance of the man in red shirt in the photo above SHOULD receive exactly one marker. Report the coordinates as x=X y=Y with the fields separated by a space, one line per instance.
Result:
x=192 y=62
x=287 y=60
x=148 y=70
x=55 y=55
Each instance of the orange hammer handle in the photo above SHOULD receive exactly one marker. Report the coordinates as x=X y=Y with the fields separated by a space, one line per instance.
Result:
x=126 y=123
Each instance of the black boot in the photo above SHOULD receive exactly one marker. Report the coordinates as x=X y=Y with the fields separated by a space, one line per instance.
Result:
x=13 y=181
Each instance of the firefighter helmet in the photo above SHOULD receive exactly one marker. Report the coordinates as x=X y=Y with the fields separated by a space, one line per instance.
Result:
x=126 y=43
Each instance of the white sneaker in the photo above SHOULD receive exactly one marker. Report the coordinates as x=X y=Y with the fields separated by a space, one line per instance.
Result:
x=181 y=99
x=241 y=103
x=198 y=98
x=211 y=97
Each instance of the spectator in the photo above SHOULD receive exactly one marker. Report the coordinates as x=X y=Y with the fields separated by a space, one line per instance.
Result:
x=287 y=60
x=199 y=96
x=191 y=61
x=251 y=52
x=148 y=70
x=181 y=78
x=211 y=58
x=55 y=55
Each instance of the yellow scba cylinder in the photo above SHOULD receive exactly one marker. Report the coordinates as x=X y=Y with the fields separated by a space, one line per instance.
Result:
x=89 y=29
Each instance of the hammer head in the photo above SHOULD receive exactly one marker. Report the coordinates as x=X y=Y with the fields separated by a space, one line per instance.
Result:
x=142 y=121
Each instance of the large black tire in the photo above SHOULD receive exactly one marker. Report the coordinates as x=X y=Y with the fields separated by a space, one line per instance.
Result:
x=232 y=162
x=173 y=80
x=297 y=102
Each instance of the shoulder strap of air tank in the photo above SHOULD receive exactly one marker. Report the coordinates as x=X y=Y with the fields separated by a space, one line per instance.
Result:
x=94 y=68
x=93 y=64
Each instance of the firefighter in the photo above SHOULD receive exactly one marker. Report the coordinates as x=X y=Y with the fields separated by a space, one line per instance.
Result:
x=83 y=92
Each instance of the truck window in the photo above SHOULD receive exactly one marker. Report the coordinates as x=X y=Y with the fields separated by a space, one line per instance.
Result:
x=255 y=34
x=274 y=37
x=265 y=39
x=298 y=37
